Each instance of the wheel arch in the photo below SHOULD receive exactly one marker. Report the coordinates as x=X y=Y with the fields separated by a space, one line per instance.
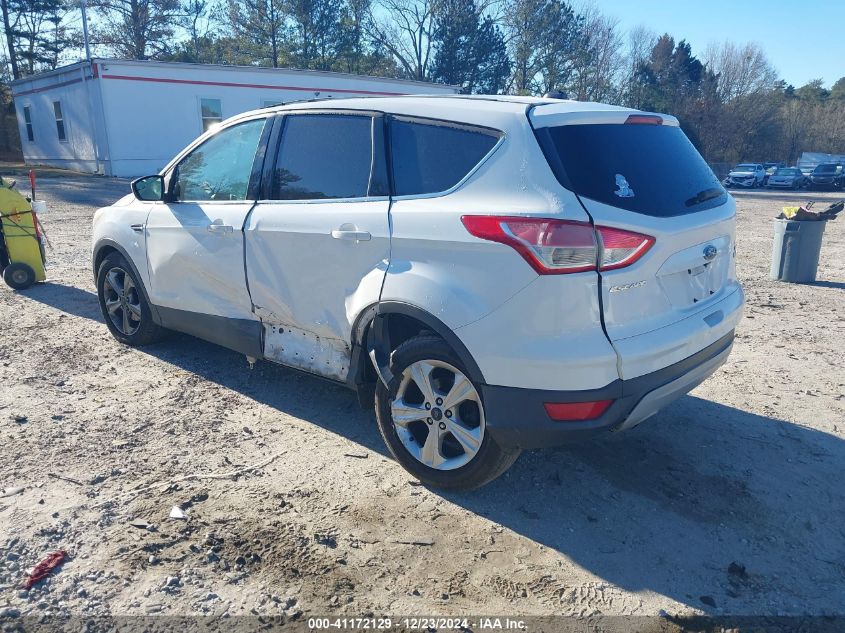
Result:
x=102 y=249
x=382 y=326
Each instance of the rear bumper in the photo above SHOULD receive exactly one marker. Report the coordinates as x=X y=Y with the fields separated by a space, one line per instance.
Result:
x=517 y=418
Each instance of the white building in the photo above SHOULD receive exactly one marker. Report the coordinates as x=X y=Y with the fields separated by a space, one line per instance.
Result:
x=129 y=118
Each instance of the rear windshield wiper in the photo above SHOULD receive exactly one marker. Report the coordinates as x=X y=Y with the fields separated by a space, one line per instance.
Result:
x=704 y=196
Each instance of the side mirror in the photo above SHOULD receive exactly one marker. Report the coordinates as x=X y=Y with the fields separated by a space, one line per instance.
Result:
x=149 y=188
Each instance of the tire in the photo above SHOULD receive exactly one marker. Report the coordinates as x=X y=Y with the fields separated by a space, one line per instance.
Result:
x=19 y=276
x=124 y=303
x=452 y=465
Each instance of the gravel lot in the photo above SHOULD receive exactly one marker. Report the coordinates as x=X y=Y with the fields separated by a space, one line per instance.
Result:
x=295 y=508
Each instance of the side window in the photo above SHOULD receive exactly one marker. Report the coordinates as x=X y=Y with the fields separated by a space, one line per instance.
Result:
x=324 y=156
x=27 y=118
x=211 y=112
x=60 y=120
x=431 y=158
x=221 y=167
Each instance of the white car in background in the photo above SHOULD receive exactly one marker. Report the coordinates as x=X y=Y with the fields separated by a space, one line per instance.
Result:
x=491 y=273
x=748 y=175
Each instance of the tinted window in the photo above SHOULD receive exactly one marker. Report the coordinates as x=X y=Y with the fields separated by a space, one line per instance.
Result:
x=825 y=169
x=433 y=158
x=648 y=169
x=220 y=168
x=324 y=156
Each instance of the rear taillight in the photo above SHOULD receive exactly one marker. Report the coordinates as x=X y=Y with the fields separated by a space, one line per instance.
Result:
x=555 y=247
x=621 y=248
x=576 y=411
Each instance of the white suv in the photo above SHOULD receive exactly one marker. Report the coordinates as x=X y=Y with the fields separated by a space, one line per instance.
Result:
x=499 y=273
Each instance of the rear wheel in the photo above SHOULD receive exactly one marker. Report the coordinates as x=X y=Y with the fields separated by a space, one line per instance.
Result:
x=123 y=303
x=433 y=419
x=19 y=276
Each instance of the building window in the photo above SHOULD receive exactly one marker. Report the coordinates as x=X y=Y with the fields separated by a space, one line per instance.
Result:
x=211 y=111
x=60 y=120
x=27 y=117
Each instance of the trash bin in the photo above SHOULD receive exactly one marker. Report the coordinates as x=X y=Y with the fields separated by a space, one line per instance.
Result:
x=795 y=253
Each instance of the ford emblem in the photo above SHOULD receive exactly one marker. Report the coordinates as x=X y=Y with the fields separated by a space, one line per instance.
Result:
x=710 y=252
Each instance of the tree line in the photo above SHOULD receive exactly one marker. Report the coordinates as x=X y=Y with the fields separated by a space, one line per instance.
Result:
x=728 y=97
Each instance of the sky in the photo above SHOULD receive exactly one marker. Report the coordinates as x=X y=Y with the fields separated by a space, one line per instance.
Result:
x=804 y=40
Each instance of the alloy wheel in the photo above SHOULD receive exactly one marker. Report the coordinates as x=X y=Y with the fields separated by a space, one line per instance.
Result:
x=438 y=415
x=123 y=301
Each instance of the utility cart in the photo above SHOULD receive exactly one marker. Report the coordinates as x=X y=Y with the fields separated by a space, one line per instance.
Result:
x=21 y=248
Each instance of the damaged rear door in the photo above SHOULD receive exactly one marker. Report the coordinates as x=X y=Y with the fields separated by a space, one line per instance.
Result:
x=317 y=247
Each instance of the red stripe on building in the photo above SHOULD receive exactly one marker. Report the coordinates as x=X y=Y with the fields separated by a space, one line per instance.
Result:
x=228 y=84
x=50 y=87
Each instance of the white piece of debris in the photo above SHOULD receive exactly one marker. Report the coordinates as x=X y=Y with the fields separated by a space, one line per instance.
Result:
x=177 y=513
x=10 y=492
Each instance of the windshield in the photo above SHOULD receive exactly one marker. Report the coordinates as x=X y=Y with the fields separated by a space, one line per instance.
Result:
x=787 y=172
x=648 y=169
x=824 y=169
x=745 y=167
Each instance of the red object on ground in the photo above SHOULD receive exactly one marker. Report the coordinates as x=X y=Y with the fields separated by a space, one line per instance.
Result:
x=43 y=569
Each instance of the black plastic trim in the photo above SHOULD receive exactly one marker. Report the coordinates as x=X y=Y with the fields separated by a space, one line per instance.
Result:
x=516 y=416
x=240 y=335
x=373 y=323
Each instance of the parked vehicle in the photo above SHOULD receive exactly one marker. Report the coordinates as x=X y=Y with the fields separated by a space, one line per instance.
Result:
x=748 y=175
x=826 y=176
x=770 y=169
x=492 y=273
x=786 y=178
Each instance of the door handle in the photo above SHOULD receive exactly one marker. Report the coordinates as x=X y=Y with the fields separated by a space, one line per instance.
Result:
x=218 y=227
x=138 y=228
x=355 y=236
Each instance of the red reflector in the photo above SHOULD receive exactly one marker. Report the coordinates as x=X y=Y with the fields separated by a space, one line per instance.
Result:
x=644 y=119
x=35 y=225
x=576 y=411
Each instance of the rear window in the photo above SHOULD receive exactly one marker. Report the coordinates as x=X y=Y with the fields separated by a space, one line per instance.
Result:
x=432 y=158
x=648 y=169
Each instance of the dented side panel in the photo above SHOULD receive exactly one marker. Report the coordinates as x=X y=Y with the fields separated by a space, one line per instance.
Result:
x=305 y=350
x=308 y=286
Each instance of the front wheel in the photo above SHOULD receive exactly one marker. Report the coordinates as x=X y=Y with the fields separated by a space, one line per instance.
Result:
x=123 y=303
x=433 y=421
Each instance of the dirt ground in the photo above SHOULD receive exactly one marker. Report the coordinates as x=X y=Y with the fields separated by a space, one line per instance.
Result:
x=728 y=502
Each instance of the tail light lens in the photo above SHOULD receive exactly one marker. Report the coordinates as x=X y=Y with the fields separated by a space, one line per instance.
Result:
x=644 y=119
x=554 y=247
x=621 y=248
